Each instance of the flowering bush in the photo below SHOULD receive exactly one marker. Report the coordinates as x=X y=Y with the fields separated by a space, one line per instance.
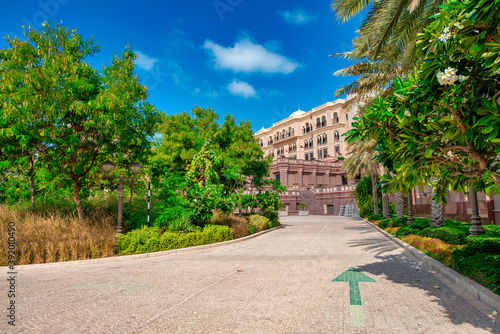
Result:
x=435 y=248
x=392 y=230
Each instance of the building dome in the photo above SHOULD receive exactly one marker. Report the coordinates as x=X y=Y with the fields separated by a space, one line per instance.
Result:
x=297 y=113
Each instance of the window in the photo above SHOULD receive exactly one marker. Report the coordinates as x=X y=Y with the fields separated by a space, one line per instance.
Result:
x=335 y=118
x=346 y=117
x=278 y=177
x=311 y=156
x=337 y=150
x=320 y=154
x=324 y=139
x=323 y=121
x=307 y=128
x=261 y=143
x=318 y=123
x=307 y=156
x=325 y=152
x=344 y=180
x=289 y=131
x=336 y=136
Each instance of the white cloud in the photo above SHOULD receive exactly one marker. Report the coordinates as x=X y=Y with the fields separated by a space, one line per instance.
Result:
x=297 y=16
x=143 y=61
x=241 y=88
x=248 y=57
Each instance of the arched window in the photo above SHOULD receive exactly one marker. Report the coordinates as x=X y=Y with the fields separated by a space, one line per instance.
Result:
x=307 y=128
x=336 y=136
x=318 y=123
x=293 y=131
x=323 y=121
x=261 y=143
x=283 y=134
x=289 y=131
x=335 y=118
x=324 y=139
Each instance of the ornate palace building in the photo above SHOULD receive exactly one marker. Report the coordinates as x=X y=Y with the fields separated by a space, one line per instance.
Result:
x=305 y=148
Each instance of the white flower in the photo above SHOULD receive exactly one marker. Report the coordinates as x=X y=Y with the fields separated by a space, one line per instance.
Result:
x=407 y=113
x=448 y=77
x=494 y=312
x=445 y=35
x=462 y=78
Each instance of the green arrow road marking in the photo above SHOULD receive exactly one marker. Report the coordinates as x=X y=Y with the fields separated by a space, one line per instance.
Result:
x=354 y=277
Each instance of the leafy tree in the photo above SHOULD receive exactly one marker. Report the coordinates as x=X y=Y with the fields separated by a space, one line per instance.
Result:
x=77 y=116
x=443 y=121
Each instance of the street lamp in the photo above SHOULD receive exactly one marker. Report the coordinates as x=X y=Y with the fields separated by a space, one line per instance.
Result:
x=108 y=167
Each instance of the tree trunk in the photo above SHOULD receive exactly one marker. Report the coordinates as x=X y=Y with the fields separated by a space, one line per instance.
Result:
x=400 y=204
x=374 y=177
x=385 y=206
x=31 y=173
x=436 y=211
x=436 y=215
x=78 y=201
x=32 y=191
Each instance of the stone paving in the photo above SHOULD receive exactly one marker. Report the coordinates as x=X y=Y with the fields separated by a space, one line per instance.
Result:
x=280 y=282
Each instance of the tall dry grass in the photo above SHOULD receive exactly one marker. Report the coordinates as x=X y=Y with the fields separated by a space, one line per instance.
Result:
x=49 y=236
x=238 y=224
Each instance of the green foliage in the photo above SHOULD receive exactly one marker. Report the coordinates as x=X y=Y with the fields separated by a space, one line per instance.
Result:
x=364 y=197
x=302 y=205
x=480 y=261
x=259 y=222
x=150 y=239
x=274 y=223
x=182 y=224
x=59 y=112
x=449 y=130
x=251 y=229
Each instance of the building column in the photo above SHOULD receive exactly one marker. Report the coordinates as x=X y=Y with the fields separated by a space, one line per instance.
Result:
x=284 y=176
x=327 y=177
x=313 y=175
x=299 y=178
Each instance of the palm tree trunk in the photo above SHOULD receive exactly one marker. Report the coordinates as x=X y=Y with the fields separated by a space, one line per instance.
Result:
x=400 y=205
x=436 y=211
x=385 y=206
x=374 y=176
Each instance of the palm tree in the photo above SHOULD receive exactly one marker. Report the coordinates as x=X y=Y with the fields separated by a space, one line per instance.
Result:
x=436 y=219
x=394 y=23
x=360 y=161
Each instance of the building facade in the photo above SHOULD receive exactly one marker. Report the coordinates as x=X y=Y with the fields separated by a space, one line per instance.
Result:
x=306 y=148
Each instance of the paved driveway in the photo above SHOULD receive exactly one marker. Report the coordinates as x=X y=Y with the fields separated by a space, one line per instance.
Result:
x=280 y=282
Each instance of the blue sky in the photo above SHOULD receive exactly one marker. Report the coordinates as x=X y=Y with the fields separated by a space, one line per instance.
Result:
x=258 y=60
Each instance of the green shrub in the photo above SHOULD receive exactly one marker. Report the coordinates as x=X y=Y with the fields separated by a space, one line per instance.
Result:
x=274 y=223
x=148 y=239
x=251 y=229
x=399 y=222
x=384 y=223
x=181 y=224
x=375 y=217
x=480 y=261
x=446 y=234
x=261 y=223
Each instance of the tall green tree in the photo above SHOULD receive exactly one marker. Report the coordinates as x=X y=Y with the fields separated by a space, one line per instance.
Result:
x=79 y=116
x=443 y=121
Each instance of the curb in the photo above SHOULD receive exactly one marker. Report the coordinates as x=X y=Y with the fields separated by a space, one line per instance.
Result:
x=139 y=256
x=475 y=289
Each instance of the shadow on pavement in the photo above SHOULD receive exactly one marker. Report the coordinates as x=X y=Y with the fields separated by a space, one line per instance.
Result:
x=400 y=269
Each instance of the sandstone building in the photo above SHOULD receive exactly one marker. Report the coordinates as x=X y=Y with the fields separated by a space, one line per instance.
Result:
x=305 y=148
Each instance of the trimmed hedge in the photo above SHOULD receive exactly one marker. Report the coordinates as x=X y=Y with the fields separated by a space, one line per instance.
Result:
x=260 y=223
x=150 y=239
x=480 y=261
